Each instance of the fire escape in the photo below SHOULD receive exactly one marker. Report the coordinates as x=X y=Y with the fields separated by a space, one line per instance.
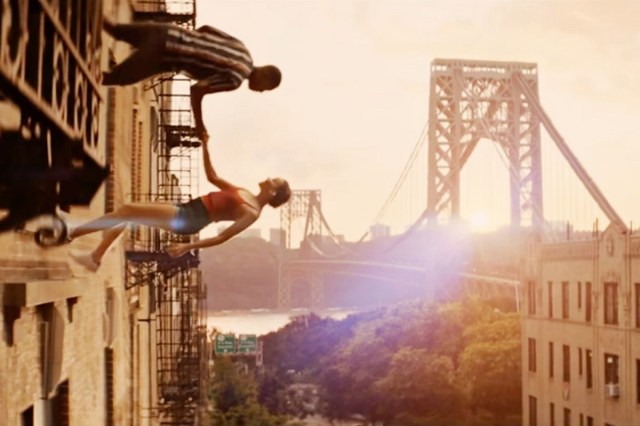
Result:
x=175 y=285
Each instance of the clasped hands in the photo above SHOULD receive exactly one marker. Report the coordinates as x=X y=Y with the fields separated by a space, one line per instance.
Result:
x=202 y=134
x=178 y=249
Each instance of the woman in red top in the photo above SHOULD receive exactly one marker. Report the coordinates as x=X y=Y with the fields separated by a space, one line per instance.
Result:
x=231 y=203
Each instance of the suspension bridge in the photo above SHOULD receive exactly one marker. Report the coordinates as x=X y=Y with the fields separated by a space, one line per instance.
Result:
x=490 y=150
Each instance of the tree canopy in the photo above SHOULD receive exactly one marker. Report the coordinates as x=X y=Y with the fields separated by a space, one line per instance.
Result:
x=415 y=363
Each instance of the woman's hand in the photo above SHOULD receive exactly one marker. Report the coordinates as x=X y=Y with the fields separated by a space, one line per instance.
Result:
x=178 y=249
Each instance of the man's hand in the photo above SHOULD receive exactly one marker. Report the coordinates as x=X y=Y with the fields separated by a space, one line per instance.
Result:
x=178 y=249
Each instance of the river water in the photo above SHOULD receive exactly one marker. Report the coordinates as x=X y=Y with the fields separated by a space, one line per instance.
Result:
x=263 y=321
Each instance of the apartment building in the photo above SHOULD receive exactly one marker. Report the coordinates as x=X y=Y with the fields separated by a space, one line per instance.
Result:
x=124 y=345
x=581 y=332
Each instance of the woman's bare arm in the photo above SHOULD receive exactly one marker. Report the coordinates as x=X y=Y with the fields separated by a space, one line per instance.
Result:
x=210 y=172
x=215 y=84
x=234 y=229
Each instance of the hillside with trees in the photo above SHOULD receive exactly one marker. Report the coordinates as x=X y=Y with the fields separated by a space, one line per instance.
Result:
x=413 y=364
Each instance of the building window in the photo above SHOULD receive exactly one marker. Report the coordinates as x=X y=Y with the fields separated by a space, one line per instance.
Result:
x=109 y=182
x=581 y=419
x=565 y=300
x=611 y=363
x=587 y=301
x=580 y=361
x=135 y=143
x=552 y=414
x=532 y=355
x=611 y=303
x=109 y=387
x=589 y=364
x=638 y=381
x=579 y=295
x=589 y=421
x=567 y=417
x=60 y=405
x=531 y=297
x=566 y=364
x=551 y=360
x=550 y=298
x=611 y=368
x=533 y=411
x=26 y=417
x=637 y=287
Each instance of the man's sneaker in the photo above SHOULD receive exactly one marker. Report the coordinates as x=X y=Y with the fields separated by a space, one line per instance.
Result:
x=85 y=259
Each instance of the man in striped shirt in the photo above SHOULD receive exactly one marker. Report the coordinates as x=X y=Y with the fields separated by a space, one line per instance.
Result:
x=217 y=60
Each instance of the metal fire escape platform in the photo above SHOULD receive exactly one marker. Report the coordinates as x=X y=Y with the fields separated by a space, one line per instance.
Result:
x=176 y=285
x=181 y=12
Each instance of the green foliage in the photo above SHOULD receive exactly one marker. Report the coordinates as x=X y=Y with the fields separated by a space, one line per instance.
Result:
x=235 y=397
x=421 y=386
x=252 y=414
x=490 y=365
x=230 y=388
x=415 y=363
x=304 y=341
x=387 y=361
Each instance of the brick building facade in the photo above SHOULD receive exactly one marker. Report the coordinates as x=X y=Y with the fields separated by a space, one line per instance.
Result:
x=78 y=348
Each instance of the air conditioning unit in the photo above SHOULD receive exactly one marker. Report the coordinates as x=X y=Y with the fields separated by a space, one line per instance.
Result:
x=612 y=390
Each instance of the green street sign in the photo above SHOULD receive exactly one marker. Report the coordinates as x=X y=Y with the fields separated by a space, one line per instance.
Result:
x=225 y=343
x=247 y=343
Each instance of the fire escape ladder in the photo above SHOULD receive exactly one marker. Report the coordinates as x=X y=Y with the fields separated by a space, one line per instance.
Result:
x=175 y=285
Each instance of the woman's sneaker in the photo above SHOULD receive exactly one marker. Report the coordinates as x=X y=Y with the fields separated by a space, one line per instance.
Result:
x=85 y=259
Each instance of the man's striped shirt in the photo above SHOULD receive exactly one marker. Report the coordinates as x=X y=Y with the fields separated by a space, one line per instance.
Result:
x=217 y=60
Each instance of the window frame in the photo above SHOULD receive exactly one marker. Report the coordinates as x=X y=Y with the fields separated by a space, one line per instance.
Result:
x=565 y=300
x=611 y=303
x=566 y=364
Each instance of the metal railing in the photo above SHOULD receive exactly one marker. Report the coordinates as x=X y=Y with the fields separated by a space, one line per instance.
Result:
x=49 y=71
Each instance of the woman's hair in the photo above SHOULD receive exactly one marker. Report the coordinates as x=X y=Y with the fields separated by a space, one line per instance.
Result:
x=281 y=196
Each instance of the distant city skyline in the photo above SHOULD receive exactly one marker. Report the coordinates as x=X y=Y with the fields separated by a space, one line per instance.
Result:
x=355 y=92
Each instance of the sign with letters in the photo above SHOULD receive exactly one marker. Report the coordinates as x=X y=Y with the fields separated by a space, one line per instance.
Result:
x=225 y=343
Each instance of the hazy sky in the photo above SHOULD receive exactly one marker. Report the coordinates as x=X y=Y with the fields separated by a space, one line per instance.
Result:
x=355 y=91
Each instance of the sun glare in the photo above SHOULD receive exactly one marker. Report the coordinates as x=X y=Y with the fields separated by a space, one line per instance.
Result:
x=479 y=222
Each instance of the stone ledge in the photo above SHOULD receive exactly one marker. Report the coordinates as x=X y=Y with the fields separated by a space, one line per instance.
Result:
x=39 y=292
x=24 y=270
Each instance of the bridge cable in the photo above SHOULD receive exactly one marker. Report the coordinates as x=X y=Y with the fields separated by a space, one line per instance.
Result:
x=398 y=239
x=408 y=166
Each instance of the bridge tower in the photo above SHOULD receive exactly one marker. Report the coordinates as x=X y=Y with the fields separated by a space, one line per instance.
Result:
x=471 y=100
x=303 y=205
